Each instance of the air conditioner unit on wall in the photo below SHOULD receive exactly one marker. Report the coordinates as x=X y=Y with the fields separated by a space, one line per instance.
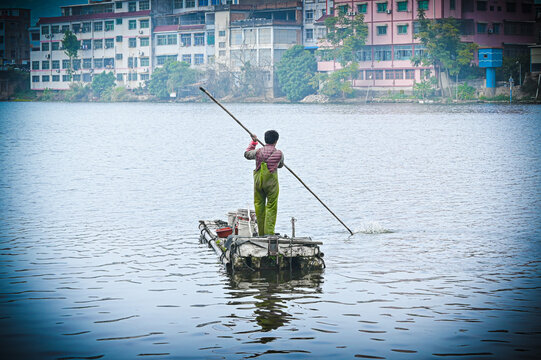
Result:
x=48 y=56
x=389 y=11
x=490 y=30
x=352 y=13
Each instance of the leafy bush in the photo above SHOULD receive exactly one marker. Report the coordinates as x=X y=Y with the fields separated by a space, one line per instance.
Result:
x=338 y=83
x=465 y=92
x=102 y=83
x=118 y=94
x=425 y=88
x=77 y=92
x=295 y=71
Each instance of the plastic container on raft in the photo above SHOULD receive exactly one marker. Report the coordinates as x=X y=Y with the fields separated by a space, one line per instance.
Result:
x=224 y=232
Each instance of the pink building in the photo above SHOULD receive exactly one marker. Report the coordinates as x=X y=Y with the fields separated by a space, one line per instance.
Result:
x=385 y=59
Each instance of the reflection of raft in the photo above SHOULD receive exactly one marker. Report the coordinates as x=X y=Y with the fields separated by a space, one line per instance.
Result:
x=243 y=250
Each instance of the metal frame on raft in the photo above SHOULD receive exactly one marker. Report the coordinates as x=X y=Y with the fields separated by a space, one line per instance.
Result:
x=239 y=253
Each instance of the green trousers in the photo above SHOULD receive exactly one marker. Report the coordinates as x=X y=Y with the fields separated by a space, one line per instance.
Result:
x=266 y=191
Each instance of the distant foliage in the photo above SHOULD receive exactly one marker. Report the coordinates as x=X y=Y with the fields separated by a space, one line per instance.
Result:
x=337 y=84
x=295 y=72
x=465 y=92
x=425 y=88
x=71 y=47
x=172 y=77
x=102 y=83
x=347 y=35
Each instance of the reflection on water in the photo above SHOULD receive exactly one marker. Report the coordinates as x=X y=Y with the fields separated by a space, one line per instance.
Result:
x=273 y=290
x=99 y=250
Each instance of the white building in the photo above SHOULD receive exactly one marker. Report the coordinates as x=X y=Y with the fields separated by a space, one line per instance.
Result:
x=314 y=10
x=115 y=36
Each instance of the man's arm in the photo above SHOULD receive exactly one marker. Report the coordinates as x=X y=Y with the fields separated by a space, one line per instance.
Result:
x=251 y=151
x=281 y=163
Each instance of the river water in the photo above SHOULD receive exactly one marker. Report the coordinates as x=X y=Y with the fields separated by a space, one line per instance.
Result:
x=99 y=251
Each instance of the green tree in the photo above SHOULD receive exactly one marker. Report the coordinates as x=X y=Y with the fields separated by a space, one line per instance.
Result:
x=71 y=47
x=102 y=83
x=443 y=47
x=172 y=77
x=347 y=35
x=337 y=84
x=295 y=72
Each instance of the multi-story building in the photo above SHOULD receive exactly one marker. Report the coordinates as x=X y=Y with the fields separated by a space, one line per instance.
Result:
x=14 y=41
x=314 y=10
x=385 y=60
x=115 y=36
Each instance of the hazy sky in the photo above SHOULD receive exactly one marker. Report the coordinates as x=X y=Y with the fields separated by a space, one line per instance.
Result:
x=40 y=8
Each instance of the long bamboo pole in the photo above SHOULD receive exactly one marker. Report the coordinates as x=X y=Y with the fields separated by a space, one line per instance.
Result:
x=287 y=167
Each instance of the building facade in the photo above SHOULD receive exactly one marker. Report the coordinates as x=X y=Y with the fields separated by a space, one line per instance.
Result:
x=314 y=31
x=385 y=60
x=14 y=40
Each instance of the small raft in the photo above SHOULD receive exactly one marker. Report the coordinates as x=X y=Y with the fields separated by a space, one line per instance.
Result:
x=239 y=248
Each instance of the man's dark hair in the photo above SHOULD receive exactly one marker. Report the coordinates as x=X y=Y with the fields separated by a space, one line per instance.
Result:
x=271 y=137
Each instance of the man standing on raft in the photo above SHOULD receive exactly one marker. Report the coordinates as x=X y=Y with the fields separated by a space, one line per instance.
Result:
x=267 y=161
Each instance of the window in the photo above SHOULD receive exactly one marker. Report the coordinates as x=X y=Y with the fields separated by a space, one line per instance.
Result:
x=119 y=77
x=481 y=6
x=45 y=46
x=55 y=29
x=382 y=30
x=76 y=64
x=35 y=65
x=510 y=7
x=65 y=78
x=86 y=77
x=144 y=41
x=86 y=44
x=452 y=6
x=119 y=38
x=423 y=4
x=178 y=4
x=389 y=74
x=190 y=3
x=221 y=33
x=203 y=2
x=378 y=74
x=132 y=42
x=55 y=64
x=119 y=21
x=35 y=78
x=65 y=64
x=403 y=52
x=145 y=76
x=402 y=29
x=98 y=44
x=56 y=78
x=144 y=5
x=361 y=8
x=186 y=39
x=55 y=46
x=132 y=77
x=382 y=7
x=343 y=9
x=118 y=56
x=65 y=28
x=45 y=30
x=98 y=63
x=481 y=28
x=399 y=74
x=119 y=5
x=382 y=53
x=199 y=39
x=365 y=54
x=132 y=6
x=144 y=61
x=45 y=78
x=161 y=40
x=132 y=24
x=76 y=28
x=98 y=26
x=199 y=59
x=518 y=28
x=86 y=27
x=402 y=6
x=143 y=24
x=162 y=59
x=526 y=8
x=309 y=15
x=419 y=50
x=309 y=34
x=109 y=25
x=132 y=62
x=45 y=65
x=495 y=28
x=109 y=43
x=210 y=38
x=410 y=74
x=221 y=53
x=87 y=63
x=415 y=27
x=169 y=39
x=187 y=58
x=76 y=77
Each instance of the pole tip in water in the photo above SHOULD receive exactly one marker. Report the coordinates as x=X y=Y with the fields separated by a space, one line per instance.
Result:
x=202 y=89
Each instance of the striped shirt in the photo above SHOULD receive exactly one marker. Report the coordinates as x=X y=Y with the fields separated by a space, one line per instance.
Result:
x=268 y=154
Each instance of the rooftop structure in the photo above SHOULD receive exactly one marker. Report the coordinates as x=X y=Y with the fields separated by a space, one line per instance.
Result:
x=14 y=42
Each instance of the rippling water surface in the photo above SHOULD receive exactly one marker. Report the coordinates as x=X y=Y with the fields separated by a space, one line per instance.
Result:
x=99 y=252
